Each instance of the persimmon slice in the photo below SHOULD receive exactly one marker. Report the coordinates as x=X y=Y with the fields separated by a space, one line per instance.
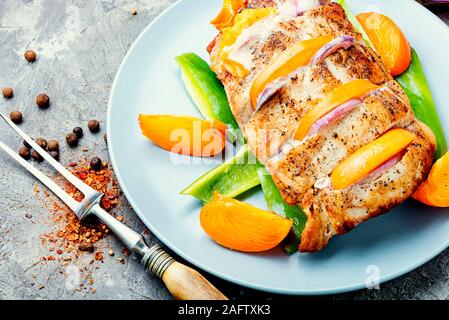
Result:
x=340 y=95
x=184 y=134
x=227 y=13
x=244 y=19
x=243 y=227
x=435 y=190
x=367 y=159
x=388 y=40
x=288 y=61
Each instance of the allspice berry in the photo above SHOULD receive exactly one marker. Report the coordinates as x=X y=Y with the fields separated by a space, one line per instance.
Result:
x=36 y=156
x=8 y=92
x=43 y=101
x=53 y=145
x=94 y=126
x=42 y=143
x=72 y=139
x=30 y=56
x=25 y=153
x=16 y=117
x=55 y=155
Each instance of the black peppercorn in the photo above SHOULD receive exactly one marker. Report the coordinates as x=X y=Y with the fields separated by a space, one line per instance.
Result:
x=72 y=139
x=36 y=156
x=26 y=144
x=94 y=126
x=78 y=131
x=25 y=153
x=43 y=101
x=96 y=164
x=16 y=117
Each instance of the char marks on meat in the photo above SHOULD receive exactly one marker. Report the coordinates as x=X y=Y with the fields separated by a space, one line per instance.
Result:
x=300 y=169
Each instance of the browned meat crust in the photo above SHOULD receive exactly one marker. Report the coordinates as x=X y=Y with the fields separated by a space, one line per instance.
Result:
x=318 y=156
x=277 y=120
x=297 y=166
x=331 y=212
x=261 y=3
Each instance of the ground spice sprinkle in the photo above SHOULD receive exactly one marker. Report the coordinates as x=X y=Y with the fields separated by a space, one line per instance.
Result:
x=74 y=238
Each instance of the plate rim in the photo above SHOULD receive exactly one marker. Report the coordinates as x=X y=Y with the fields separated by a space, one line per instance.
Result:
x=194 y=262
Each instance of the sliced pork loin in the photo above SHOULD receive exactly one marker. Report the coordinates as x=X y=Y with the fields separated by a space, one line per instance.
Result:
x=331 y=212
x=280 y=33
x=274 y=124
x=299 y=168
x=301 y=165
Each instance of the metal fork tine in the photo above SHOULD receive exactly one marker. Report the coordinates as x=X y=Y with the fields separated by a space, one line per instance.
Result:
x=85 y=189
x=74 y=205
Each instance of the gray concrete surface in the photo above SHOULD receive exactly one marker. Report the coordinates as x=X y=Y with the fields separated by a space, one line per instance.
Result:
x=80 y=45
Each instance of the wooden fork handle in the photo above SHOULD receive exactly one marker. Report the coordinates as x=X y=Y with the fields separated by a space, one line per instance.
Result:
x=183 y=282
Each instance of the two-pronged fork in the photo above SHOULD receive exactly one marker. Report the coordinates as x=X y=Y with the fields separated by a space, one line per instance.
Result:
x=183 y=282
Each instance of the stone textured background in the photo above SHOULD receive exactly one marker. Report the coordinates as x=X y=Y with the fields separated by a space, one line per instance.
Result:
x=80 y=44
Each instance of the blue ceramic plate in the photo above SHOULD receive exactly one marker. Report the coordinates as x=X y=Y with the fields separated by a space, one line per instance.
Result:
x=149 y=82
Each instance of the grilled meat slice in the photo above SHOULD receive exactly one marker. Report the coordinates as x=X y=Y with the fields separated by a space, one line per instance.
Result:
x=325 y=20
x=274 y=124
x=280 y=35
x=317 y=156
x=331 y=212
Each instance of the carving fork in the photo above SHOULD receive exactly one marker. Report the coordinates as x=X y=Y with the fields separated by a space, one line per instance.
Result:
x=183 y=282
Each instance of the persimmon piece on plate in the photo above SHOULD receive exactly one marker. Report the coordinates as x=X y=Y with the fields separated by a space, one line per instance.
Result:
x=184 y=134
x=367 y=159
x=243 y=227
x=388 y=40
x=435 y=190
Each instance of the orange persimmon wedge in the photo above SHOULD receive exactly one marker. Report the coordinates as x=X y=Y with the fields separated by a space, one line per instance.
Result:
x=235 y=68
x=340 y=95
x=388 y=40
x=227 y=13
x=435 y=190
x=243 y=227
x=288 y=61
x=184 y=134
x=245 y=19
x=370 y=157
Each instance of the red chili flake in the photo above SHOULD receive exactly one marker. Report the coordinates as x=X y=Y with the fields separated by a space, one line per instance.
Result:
x=99 y=256
x=106 y=203
x=71 y=233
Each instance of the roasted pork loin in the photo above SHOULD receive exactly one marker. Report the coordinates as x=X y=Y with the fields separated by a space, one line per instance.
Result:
x=301 y=169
